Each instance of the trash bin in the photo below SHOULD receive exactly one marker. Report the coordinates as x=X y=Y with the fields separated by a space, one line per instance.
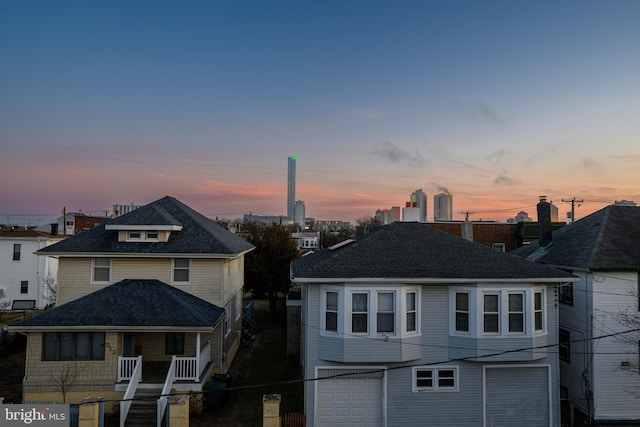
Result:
x=215 y=392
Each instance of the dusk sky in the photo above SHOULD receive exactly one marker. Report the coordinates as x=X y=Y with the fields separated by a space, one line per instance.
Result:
x=498 y=102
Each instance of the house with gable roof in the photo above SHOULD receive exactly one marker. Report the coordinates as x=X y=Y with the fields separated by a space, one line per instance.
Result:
x=151 y=300
x=599 y=349
x=409 y=325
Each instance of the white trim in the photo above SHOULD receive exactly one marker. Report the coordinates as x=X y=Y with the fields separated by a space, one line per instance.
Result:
x=443 y=280
x=435 y=388
x=476 y=311
x=93 y=267
x=173 y=268
x=382 y=368
x=484 y=387
x=344 y=329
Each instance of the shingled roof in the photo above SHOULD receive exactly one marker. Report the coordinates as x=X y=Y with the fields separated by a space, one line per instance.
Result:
x=150 y=304
x=199 y=235
x=405 y=250
x=606 y=239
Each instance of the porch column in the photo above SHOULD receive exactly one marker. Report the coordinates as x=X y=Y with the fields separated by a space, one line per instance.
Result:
x=198 y=357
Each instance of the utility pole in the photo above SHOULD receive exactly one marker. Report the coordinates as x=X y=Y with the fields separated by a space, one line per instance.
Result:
x=573 y=202
x=466 y=215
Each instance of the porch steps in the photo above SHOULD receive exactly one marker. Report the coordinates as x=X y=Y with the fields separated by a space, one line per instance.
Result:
x=143 y=408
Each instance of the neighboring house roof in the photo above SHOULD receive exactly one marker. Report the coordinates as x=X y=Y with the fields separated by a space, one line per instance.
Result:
x=130 y=303
x=22 y=232
x=199 y=234
x=606 y=239
x=411 y=250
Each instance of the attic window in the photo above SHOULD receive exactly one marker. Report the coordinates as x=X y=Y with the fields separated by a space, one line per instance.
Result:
x=141 y=236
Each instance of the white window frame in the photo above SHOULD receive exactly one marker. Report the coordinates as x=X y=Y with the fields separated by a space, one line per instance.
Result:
x=467 y=312
x=522 y=313
x=135 y=236
x=227 y=319
x=435 y=379
x=174 y=268
x=238 y=305
x=152 y=236
x=491 y=313
x=407 y=311
x=345 y=312
x=476 y=310
x=327 y=311
x=500 y=247
x=107 y=267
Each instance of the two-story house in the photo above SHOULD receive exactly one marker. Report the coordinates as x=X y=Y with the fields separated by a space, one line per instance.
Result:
x=599 y=338
x=408 y=325
x=25 y=276
x=149 y=300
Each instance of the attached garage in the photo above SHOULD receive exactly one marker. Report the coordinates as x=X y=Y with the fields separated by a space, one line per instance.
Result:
x=507 y=402
x=349 y=397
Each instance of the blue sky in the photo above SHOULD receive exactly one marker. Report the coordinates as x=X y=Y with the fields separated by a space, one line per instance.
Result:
x=498 y=102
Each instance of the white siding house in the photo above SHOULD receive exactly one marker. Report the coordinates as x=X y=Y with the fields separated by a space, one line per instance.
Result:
x=599 y=355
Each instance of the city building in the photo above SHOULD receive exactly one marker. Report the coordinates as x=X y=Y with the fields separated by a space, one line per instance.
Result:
x=411 y=213
x=443 y=207
x=419 y=197
x=291 y=186
x=123 y=209
x=299 y=214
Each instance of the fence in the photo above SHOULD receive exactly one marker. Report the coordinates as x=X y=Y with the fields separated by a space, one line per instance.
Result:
x=293 y=419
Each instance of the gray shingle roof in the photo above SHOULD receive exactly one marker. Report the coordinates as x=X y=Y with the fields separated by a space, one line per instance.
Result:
x=415 y=251
x=130 y=303
x=606 y=239
x=199 y=234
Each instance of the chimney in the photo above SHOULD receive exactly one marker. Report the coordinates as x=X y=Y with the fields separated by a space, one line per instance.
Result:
x=408 y=204
x=544 y=222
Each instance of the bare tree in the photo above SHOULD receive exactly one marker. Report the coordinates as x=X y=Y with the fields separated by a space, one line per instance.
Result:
x=629 y=318
x=65 y=379
x=50 y=284
x=4 y=305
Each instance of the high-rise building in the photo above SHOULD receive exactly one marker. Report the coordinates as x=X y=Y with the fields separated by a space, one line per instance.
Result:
x=298 y=214
x=443 y=207
x=291 y=186
x=554 y=212
x=419 y=197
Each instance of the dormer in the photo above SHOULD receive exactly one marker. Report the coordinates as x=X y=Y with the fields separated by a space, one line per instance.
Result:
x=143 y=233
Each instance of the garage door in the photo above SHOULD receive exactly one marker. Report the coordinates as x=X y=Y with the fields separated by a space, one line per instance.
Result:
x=517 y=396
x=353 y=398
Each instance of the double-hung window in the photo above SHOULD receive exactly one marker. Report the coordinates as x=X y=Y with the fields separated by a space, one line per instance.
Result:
x=359 y=313
x=491 y=318
x=385 y=318
x=24 y=286
x=227 y=319
x=462 y=312
x=17 y=248
x=331 y=312
x=443 y=378
x=516 y=312
x=411 y=311
x=538 y=311
x=101 y=270
x=181 y=270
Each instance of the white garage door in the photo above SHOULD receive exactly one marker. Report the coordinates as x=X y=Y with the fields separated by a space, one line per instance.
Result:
x=353 y=400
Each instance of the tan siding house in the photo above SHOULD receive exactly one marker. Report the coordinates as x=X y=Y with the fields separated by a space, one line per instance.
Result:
x=151 y=299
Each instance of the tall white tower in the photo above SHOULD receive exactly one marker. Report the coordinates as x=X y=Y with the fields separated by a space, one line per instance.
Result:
x=443 y=207
x=291 y=186
x=419 y=197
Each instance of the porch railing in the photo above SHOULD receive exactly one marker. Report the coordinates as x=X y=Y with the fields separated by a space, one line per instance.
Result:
x=136 y=376
x=126 y=366
x=190 y=368
x=166 y=389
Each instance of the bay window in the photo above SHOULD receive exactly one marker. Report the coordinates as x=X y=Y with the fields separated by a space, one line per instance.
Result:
x=372 y=312
x=489 y=311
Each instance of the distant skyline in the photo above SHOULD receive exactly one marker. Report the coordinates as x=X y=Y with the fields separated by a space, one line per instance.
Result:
x=497 y=102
